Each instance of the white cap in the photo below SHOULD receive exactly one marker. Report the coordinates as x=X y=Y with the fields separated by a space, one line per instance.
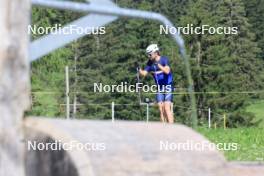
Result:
x=152 y=48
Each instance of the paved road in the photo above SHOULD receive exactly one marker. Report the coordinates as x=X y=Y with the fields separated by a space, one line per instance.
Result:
x=246 y=169
x=134 y=149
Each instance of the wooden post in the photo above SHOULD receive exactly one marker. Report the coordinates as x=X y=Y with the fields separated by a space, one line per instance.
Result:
x=224 y=121
x=14 y=83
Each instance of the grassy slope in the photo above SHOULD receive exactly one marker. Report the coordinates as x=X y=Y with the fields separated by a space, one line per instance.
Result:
x=258 y=109
x=250 y=142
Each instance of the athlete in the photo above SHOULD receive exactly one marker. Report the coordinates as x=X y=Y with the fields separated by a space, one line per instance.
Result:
x=159 y=67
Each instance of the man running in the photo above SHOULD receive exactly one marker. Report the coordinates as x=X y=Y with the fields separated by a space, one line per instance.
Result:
x=159 y=67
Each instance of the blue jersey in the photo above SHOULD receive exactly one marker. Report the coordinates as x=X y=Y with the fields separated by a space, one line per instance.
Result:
x=160 y=77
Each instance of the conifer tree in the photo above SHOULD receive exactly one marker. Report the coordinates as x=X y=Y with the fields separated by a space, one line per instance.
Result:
x=224 y=63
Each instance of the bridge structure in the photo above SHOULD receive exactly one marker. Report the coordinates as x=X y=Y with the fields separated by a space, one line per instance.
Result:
x=125 y=148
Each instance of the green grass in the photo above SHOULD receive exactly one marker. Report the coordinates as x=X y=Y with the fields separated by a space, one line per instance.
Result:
x=258 y=109
x=46 y=105
x=250 y=142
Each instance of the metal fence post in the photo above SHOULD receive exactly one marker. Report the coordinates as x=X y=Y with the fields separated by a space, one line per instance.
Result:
x=147 y=112
x=67 y=92
x=209 y=117
x=113 y=111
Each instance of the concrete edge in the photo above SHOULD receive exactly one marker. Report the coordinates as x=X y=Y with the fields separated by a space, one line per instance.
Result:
x=79 y=157
x=247 y=163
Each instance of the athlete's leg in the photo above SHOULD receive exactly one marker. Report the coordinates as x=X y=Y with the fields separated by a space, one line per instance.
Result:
x=162 y=112
x=167 y=105
x=168 y=111
x=160 y=99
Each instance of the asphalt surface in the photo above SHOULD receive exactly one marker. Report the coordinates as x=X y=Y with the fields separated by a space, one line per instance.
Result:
x=103 y=148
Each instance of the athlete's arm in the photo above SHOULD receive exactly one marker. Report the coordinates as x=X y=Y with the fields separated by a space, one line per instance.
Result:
x=146 y=69
x=165 y=69
x=143 y=72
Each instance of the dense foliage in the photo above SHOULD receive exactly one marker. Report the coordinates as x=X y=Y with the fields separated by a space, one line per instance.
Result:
x=220 y=63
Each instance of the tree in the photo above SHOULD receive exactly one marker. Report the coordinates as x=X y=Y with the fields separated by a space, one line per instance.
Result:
x=255 y=14
x=224 y=63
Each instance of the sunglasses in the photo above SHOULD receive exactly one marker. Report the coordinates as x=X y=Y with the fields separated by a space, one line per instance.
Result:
x=149 y=54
